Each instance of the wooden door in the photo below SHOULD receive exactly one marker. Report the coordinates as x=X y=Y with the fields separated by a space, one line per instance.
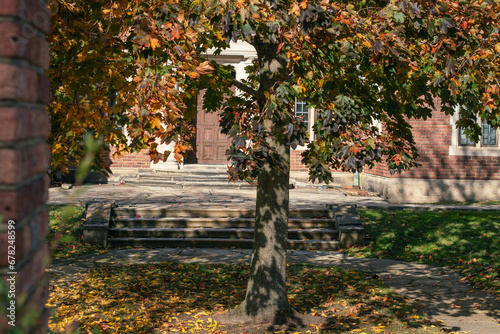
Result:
x=211 y=144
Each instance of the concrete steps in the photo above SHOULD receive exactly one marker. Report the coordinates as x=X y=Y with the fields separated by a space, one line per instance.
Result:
x=108 y=225
x=214 y=228
x=214 y=222
x=189 y=176
x=203 y=232
x=217 y=243
x=203 y=175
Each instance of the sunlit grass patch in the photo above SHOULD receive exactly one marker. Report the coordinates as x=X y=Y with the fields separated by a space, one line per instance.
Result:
x=173 y=297
x=466 y=241
x=66 y=232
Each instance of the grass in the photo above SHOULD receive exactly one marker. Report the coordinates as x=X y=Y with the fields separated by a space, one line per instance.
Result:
x=466 y=241
x=486 y=202
x=66 y=232
x=175 y=297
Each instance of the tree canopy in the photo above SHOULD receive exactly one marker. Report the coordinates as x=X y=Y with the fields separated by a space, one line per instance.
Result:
x=141 y=64
x=357 y=62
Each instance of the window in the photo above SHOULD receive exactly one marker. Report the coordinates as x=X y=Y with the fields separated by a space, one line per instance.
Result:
x=302 y=110
x=464 y=140
x=489 y=135
x=307 y=114
x=488 y=145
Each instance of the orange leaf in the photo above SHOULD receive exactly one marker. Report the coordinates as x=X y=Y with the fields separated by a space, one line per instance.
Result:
x=204 y=68
x=193 y=75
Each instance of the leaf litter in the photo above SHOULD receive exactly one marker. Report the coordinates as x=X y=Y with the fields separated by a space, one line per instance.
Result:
x=184 y=298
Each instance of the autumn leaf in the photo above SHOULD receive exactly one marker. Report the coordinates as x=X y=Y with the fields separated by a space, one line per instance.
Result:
x=154 y=42
x=295 y=9
x=204 y=68
x=193 y=75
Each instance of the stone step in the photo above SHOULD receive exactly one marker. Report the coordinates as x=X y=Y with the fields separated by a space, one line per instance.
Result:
x=202 y=168
x=214 y=222
x=158 y=212
x=188 y=183
x=208 y=176
x=227 y=233
x=215 y=243
x=194 y=178
x=186 y=178
x=186 y=173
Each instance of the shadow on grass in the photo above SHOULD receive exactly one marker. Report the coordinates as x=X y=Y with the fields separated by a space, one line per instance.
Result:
x=465 y=241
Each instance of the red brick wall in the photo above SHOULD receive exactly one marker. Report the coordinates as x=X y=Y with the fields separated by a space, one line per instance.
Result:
x=24 y=156
x=129 y=160
x=433 y=139
x=295 y=158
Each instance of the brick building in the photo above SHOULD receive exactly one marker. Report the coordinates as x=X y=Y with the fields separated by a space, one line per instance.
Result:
x=453 y=168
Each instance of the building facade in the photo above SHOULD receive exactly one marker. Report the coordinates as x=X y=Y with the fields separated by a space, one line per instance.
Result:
x=453 y=168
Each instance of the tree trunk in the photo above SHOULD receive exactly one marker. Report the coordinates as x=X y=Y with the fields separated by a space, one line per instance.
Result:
x=266 y=299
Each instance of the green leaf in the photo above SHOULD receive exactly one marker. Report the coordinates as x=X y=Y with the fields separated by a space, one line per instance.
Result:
x=399 y=17
x=371 y=143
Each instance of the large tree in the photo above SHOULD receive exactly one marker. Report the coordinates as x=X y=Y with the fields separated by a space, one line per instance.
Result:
x=357 y=62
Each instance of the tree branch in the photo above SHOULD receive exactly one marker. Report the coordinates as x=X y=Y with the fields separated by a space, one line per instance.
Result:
x=245 y=88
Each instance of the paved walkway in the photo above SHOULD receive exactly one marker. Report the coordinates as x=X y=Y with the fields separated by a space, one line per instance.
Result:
x=228 y=197
x=440 y=292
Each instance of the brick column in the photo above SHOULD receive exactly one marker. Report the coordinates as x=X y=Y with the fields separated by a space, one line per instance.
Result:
x=24 y=159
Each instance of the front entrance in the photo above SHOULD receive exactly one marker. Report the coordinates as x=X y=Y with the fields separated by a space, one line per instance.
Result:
x=211 y=144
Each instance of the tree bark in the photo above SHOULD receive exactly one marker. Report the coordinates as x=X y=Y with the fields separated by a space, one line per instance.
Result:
x=266 y=298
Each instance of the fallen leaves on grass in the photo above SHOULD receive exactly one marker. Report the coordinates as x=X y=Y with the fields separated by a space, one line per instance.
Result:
x=175 y=297
x=464 y=241
x=66 y=233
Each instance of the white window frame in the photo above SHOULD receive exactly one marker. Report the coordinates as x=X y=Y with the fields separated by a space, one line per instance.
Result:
x=311 y=115
x=478 y=149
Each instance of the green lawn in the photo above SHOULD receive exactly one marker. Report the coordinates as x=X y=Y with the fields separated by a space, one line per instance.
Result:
x=66 y=232
x=466 y=241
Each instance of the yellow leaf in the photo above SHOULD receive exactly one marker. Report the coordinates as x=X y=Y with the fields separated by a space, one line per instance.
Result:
x=137 y=79
x=497 y=47
x=154 y=43
x=295 y=9
x=180 y=17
